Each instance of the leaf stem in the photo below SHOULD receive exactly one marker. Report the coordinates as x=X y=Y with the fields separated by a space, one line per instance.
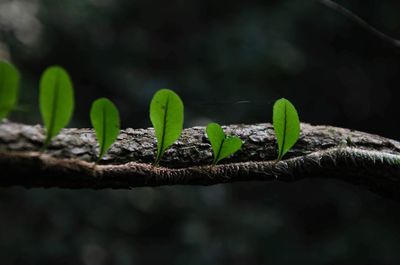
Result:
x=216 y=158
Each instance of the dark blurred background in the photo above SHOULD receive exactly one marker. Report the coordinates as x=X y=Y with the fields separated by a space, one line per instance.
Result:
x=229 y=61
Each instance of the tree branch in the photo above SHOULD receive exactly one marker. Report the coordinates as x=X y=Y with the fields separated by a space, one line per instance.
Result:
x=361 y=22
x=359 y=158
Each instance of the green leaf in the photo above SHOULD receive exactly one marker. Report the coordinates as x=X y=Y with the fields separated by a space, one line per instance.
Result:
x=166 y=115
x=9 y=88
x=106 y=123
x=286 y=125
x=56 y=100
x=222 y=145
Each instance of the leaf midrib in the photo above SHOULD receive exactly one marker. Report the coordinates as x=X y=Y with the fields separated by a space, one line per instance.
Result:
x=162 y=142
x=284 y=131
x=2 y=80
x=103 y=142
x=53 y=109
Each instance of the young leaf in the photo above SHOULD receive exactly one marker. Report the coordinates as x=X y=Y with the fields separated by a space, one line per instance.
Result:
x=286 y=124
x=106 y=123
x=9 y=88
x=222 y=145
x=166 y=115
x=56 y=100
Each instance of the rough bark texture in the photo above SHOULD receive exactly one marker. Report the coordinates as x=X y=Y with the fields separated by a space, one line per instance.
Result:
x=359 y=158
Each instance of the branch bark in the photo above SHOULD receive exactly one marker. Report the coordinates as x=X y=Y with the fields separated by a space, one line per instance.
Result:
x=359 y=158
